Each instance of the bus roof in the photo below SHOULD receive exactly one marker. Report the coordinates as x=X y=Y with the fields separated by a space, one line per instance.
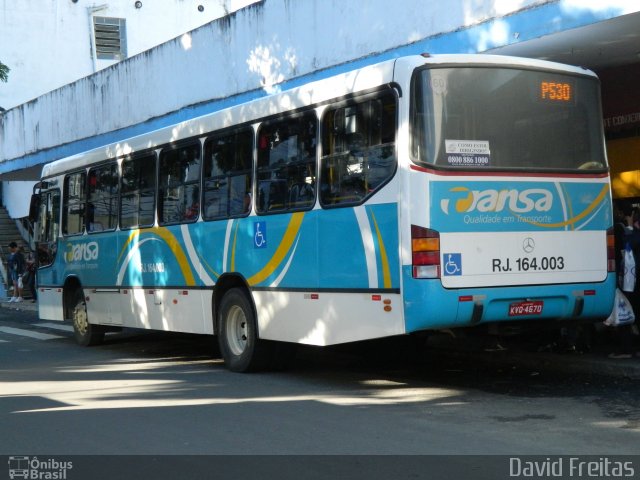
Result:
x=496 y=60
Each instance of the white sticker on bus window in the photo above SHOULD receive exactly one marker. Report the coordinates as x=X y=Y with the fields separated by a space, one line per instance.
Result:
x=438 y=85
x=468 y=153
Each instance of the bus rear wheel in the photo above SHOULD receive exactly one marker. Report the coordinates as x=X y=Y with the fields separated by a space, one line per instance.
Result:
x=85 y=333
x=240 y=346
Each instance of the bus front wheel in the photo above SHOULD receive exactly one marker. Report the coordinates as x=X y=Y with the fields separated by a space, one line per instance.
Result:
x=85 y=333
x=240 y=346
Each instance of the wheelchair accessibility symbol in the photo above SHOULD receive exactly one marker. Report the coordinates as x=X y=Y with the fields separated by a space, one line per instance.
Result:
x=260 y=234
x=452 y=264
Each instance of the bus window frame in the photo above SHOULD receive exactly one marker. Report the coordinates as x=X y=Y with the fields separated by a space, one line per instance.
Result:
x=159 y=195
x=109 y=163
x=286 y=116
x=352 y=101
x=51 y=245
x=64 y=203
x=134 y=157
x=226 y=133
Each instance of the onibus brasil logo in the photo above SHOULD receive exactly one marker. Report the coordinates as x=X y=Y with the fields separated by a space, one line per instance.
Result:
x=38 y=469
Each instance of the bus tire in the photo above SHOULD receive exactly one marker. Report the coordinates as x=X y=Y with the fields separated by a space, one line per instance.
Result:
x=85 y=333
x=240 y=346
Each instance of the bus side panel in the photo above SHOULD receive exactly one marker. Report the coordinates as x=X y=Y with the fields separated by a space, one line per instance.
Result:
x=90 y=258
x=206 y=246
x=327 y=318
x=343 y=264
x=161 y=278
x=50 y=302
x=168 y=310
x=358 y=248
x=337 y=249
x=172 y=310
x=103 y=306
x=49 y=293
x=275 y=251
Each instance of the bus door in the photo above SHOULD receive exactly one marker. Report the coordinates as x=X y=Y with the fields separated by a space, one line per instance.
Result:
x=45 y=212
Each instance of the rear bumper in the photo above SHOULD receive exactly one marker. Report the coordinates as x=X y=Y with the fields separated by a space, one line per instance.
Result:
x=428 y=305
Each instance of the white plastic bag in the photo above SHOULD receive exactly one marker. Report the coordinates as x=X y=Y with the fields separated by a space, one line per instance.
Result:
x=20 y=284
x=629 y=265
x=622 y=313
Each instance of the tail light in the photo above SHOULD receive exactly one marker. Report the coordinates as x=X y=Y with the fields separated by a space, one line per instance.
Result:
x=425 y=252
x=611 y=251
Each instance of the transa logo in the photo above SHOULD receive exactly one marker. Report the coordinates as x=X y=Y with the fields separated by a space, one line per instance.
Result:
x=81 y=252
x=517 y=201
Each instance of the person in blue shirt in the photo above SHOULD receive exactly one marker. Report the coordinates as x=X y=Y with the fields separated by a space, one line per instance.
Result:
x=16 y=266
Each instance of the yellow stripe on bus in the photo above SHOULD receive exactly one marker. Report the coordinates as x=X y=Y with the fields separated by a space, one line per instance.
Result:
x=281 y=252
x=386 y=272
x=568 y=202
x=173 y=244
x=233 y=247
x=573 y=220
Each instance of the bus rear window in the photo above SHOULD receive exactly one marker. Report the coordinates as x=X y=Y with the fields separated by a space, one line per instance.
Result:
x=506 y=118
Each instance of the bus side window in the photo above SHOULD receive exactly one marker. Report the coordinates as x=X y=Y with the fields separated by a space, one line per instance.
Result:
x=179 y=184
x=287 y=164
x=74 y=203
x=228 y=159
x=102 y=206
x=358 y=141
x=138 y=185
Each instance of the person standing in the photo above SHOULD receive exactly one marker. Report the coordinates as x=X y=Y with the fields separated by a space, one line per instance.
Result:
x=626 y=237
x=29 y=277
x=16 y=266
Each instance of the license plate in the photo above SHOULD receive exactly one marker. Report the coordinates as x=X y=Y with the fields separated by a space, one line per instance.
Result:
x=520 y=309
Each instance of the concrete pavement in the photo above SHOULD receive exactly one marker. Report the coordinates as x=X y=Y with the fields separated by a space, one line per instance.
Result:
x=26 y=305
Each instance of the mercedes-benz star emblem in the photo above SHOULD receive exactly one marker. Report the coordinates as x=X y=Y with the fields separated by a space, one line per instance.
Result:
x=528 y=245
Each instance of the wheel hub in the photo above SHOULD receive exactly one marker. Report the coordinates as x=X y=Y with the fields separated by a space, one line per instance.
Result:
x=237 y=330
x=80 y=319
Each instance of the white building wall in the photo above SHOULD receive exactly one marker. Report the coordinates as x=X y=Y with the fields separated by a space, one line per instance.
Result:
x=16 y=197
x=47 y=43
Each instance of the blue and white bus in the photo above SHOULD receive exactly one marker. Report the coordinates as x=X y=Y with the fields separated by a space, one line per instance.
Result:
x=421 y=193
